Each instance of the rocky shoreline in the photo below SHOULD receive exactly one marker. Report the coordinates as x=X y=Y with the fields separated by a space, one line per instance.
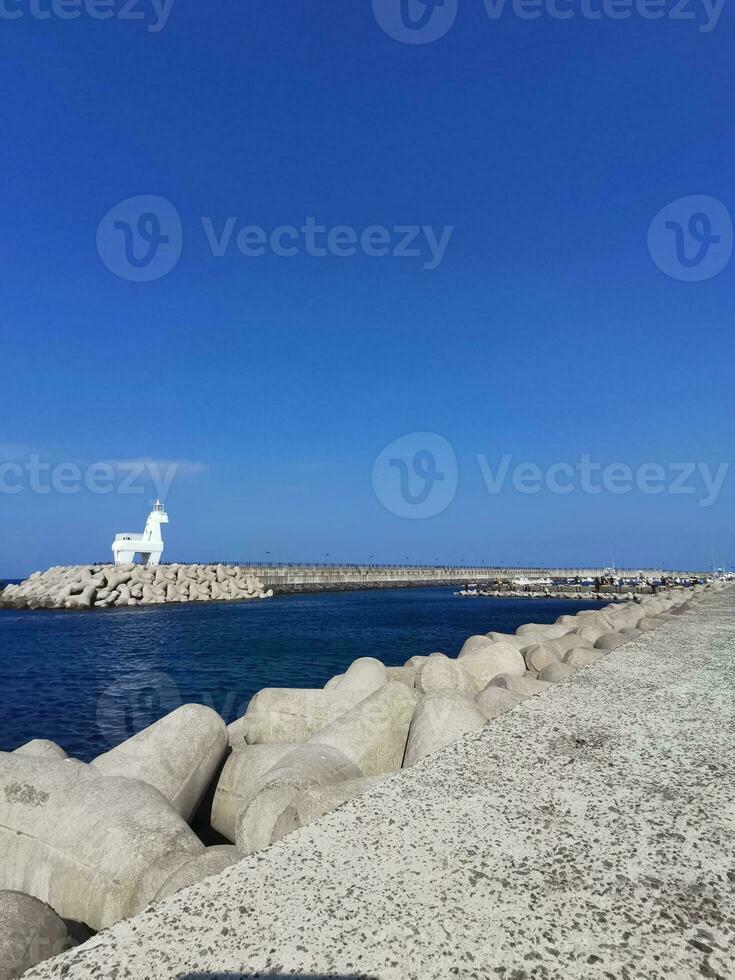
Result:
x=86 y=845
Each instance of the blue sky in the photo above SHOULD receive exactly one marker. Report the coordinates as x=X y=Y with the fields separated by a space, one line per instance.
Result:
x=547 y=331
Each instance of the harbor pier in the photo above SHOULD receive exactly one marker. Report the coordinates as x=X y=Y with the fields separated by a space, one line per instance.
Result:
x=585 y=833
x=297 y=577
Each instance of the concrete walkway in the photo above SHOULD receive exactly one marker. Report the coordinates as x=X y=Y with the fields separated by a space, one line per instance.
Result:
x=588 y=833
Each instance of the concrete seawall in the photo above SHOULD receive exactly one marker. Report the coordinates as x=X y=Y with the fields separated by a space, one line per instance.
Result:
x=294 y=577
x=584 y=833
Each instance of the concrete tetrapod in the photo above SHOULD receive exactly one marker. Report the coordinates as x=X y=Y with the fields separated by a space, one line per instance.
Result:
x=519 y=642
x=527 y=686
x=211 y=862
x=361 y=678
x=95 y=848
x=30 y=932
x=240 y=777
x=440 y=719
x=598 y=619
x=236 y=732
x=313 y=803
x=80 y=586
x=589 y=634
x=570 y=641
x=495 y=701
x=541 y=630
x=474 y=643
x=646 y=623
x=482 y=664
x=439 y=673
x=539 y=655
x=373 y=734
x=178 y=755
x=304 y=767
x=626 y=617
x=557 y=672
x=566 y=620
x=405 y=675
x=610 y=641
x=42 y=748
x=282 y=714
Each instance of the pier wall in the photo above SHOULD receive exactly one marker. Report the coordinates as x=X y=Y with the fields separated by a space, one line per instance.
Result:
x=304 y=578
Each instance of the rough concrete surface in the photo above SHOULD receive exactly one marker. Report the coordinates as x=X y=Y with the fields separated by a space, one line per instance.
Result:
x=589 y=832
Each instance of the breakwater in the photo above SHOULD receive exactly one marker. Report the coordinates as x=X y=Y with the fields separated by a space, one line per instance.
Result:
x=102 y=586
x=294 y=577
x=294 y=756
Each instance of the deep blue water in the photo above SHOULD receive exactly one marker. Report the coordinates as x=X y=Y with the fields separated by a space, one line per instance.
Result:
x=89 y=680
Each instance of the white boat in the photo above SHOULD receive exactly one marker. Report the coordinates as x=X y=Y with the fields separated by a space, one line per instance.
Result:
x=469 y=589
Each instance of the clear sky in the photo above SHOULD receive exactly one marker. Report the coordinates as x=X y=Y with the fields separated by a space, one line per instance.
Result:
x=550 y=326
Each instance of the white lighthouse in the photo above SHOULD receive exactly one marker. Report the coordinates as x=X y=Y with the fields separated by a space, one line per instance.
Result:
x=149 y=544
